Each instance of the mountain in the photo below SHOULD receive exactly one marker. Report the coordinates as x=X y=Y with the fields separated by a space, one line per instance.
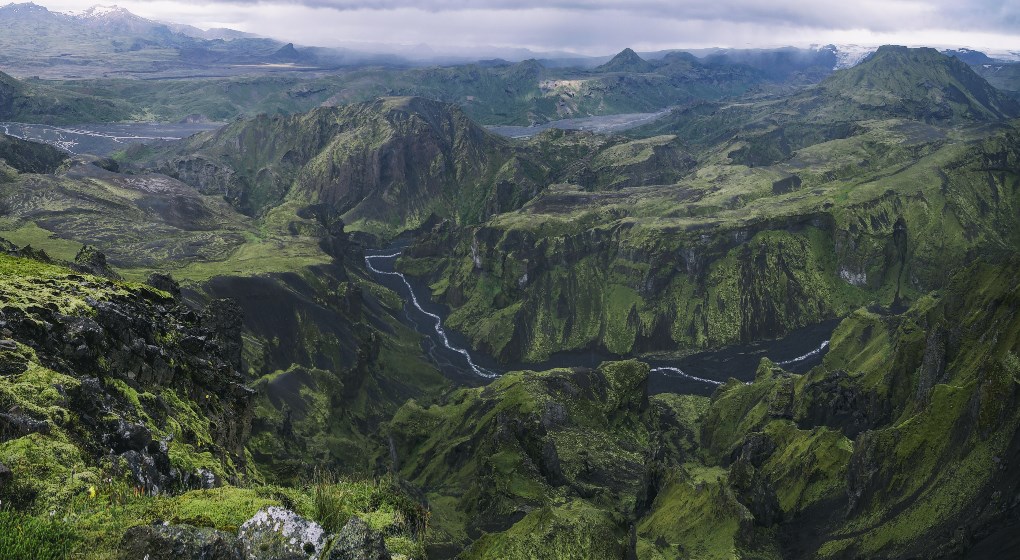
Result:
x=118 y=21
x=922 y=83
x=213 y=34
x=626 y=61
x=104 y=41
x=384 y=165
x=778 y=322
x=812 y=143
x=894 y=83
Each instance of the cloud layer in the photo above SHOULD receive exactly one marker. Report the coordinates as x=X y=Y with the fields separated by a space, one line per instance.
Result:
x=600 y=26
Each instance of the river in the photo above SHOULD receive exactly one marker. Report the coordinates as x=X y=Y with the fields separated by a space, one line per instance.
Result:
x=698 y=373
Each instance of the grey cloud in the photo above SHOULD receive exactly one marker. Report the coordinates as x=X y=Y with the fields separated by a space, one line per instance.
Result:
x=877 y=15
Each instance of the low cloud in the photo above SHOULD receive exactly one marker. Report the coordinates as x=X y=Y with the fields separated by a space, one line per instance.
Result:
x=600 y=26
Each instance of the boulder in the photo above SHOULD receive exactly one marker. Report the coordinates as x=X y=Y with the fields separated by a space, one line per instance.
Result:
x=276 y=533
x=357 y=541
x=161 y=541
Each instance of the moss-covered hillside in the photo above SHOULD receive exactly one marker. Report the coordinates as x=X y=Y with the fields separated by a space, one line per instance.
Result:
x=901 y=444
x=772 y=230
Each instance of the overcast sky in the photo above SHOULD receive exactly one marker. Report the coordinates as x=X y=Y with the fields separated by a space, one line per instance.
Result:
x=600 y=26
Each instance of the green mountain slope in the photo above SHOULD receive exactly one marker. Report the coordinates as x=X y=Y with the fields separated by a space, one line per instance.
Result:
x=882 y=451
x=329 y=357
x=25 y=102
x=729 y=253
x=397 y=163
x=384 y=166
x=895 y=82
x=922 y=83
x=276 y=371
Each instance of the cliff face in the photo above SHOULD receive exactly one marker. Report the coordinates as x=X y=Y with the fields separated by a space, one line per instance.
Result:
x=902 y=443
x=616 y=272
x=105 y=379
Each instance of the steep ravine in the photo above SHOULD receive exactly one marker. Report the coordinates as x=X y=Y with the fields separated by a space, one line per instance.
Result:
x=698 y=373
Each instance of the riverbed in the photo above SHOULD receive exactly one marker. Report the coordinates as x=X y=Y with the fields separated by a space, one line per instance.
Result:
x=102 y=139
x=700 y=373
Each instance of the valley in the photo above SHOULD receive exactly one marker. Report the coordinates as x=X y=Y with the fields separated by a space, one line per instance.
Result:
x=727 y=303
x=697 y=374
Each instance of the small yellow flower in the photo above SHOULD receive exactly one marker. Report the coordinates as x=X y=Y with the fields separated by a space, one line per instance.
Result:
x=92 y=492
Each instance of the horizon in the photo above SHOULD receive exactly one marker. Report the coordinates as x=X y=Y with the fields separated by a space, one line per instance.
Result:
x=567 y=28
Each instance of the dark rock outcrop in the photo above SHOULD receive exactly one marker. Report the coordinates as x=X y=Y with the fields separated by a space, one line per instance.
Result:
x=161 y=541
x=92 y=261
x=357 y=541
x=125 y=346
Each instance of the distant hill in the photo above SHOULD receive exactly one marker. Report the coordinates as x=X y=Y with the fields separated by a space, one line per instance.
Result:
x=626 y=61
x=27 y=102
x=111 y=41
x=782 y=64
x=920 y=83
x=893 y=83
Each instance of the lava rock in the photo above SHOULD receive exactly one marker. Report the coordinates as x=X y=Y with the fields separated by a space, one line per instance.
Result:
x=275 y=533
x=12 y=360
x=17 y=425
x=160 y=541
x=93 y=261
x=357 y=541
x=127 y=436
x=226 y=319
x=164 y=282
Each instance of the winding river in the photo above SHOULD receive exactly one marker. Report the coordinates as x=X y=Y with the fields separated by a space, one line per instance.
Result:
x=698 y=373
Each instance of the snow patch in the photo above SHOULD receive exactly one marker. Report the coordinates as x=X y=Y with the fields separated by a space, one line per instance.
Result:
x=848 y=56
x=98 y=12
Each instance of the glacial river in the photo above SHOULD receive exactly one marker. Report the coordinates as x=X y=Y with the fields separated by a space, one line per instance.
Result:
x=102 y=139
x=698 y=373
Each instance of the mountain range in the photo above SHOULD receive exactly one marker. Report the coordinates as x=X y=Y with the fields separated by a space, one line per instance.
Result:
x=354 y=322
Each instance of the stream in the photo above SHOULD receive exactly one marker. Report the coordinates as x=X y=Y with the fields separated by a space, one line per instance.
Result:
x=698 y=373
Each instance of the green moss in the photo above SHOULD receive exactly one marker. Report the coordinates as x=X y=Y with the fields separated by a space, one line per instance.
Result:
x=572 y=530
x=808 y=466
x=224 y=508
x=695 y=515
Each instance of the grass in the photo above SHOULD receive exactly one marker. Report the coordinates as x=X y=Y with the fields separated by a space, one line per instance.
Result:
x=23 y=537
x=30 y=234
